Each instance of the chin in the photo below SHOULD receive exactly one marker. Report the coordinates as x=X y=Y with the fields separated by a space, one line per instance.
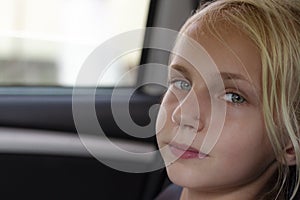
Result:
x=180 y=175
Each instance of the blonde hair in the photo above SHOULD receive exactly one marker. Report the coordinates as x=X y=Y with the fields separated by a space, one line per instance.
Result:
x=274 y=26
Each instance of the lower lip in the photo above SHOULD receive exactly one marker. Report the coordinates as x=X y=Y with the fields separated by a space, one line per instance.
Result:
x=186 y=154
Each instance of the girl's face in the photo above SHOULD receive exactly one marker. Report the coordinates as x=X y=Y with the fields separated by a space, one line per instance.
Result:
x=243 y=156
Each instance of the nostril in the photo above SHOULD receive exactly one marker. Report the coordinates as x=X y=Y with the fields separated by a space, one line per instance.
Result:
x=193 y=124
x=185 y=121
x=190 y=127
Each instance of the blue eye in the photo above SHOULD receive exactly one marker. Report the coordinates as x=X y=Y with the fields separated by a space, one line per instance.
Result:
x=182 y=85
x=234 y=98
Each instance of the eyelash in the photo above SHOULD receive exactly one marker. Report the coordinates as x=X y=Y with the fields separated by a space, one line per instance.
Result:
x=235 y=98
x=240 y=100
x=179 y=83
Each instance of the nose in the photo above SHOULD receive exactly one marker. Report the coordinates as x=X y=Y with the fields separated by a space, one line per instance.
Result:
x=187 y=112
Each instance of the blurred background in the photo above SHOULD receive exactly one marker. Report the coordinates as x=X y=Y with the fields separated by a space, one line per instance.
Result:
x=44 y=43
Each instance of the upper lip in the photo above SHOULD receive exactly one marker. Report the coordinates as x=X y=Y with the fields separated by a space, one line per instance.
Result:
x=183 y=147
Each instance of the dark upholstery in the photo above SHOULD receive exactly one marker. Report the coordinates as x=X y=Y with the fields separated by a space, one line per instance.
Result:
x=172 y=192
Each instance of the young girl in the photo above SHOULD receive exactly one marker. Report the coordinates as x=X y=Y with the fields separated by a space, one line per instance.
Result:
x=255 y=47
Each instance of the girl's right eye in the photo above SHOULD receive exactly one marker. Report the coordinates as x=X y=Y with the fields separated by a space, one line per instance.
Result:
x=181 y=85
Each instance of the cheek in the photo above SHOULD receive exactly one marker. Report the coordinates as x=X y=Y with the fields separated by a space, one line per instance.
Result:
x=246 y=129
x=246 y=133
x=163 y=121
x=244 y=148
x=168 y=105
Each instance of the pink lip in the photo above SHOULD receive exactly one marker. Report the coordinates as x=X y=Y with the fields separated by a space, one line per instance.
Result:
x=185 y=152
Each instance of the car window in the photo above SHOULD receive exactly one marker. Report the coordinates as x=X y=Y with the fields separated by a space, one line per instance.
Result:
x=45 y=42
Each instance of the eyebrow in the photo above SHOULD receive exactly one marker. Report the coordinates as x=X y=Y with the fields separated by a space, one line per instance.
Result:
x=180 y=69
x=231 y=76
x=224 y=75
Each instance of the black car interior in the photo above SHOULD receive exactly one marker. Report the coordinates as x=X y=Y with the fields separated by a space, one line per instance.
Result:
x=34 y=165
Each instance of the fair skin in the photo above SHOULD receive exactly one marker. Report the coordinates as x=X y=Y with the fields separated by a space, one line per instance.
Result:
x=242 y=161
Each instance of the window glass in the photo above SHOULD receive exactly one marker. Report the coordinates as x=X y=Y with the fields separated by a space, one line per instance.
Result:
x=45 y=42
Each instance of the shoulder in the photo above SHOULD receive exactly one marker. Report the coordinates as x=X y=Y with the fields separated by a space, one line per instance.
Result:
x=172 y=192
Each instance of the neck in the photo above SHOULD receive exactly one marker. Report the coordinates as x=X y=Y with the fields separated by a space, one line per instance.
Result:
x=249 y=191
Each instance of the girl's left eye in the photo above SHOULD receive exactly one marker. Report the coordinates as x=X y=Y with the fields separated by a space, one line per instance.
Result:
x=182 y=85
x=234 y=98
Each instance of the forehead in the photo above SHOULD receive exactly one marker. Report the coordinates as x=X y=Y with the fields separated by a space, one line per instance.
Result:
x=231 y=51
